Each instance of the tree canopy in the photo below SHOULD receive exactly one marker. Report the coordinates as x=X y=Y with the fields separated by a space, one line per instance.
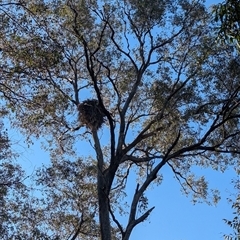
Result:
x=148 y=76
x=12 y=189
x=235 y=222
x=228 y=14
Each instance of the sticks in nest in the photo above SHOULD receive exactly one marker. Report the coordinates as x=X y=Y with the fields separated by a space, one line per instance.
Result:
x=91 y=114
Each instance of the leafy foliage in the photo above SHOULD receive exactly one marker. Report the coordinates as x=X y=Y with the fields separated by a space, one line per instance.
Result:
x=228 y=13
x=168 y=93
x=235 y=222
x=12 y=189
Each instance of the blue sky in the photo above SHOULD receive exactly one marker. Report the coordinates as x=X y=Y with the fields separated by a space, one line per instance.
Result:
x=174 y=216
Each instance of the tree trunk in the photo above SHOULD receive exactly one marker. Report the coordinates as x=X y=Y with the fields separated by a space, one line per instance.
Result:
x=104 y=217
x=103 y=200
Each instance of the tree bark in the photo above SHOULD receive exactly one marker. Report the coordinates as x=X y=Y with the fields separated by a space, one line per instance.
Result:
x=102 y=187
x=104 y=217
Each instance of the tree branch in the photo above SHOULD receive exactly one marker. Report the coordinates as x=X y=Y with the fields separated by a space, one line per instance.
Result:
x=185 y=179
x=127 y=233
x=78 y=229
x=115 y=220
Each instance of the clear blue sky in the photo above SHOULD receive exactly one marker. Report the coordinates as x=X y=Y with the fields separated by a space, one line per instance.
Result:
x=174 y=216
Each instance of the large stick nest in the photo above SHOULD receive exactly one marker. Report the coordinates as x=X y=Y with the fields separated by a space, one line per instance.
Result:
x=91 y=114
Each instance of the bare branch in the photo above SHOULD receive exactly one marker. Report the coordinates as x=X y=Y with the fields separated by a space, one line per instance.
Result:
x=123 y=179
x=138 y=193
x=139 y=159
x=115 y=220
x=78 y=229
x=130 y=227
x=178 y=174
x=143 y=217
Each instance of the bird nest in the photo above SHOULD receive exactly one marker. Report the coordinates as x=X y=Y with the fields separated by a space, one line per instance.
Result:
x=91 y=114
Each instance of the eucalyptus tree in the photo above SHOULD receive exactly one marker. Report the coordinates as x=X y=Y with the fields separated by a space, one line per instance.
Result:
x=143 y=82
x=227 y=16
